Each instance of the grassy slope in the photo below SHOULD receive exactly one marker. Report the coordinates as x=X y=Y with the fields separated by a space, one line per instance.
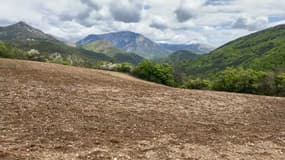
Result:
x=264 y=50
x=182 y=55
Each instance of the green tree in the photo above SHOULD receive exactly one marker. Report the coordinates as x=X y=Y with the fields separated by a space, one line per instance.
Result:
x=239 y=80
x=197 y=83
x=160 y=73
x=280 y=83
x=268 y=84
x=125 y=67
x=3 y=50
x=144 y=70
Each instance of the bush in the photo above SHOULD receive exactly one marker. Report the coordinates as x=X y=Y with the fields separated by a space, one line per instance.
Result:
x=268 y=84
x=7 y=51
x=3 y=49
x=125 y=67
x=14 y=53
x=160 y=73
x=60 y=60
x=196 y=84
x=280 y=84
x=239 y=80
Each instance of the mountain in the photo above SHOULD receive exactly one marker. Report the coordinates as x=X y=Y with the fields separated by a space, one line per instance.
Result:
x=23 y=32
x=20 y=38
x=130 y=42
x=194 y=47
x=118 y=55
x=263 y=51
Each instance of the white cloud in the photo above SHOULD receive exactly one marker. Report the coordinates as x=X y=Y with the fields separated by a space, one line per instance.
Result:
x=188 y=9
x=250 y=23
x=159 y=23
x=208 y=21
x=128 y=11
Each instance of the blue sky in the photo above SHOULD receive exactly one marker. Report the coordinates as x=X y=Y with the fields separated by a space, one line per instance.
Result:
x=213 y=22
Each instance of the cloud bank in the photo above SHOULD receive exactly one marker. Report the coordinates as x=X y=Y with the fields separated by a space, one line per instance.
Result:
x=213 y=22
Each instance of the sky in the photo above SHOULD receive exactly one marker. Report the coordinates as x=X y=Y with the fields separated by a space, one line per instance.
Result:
x=212 y=22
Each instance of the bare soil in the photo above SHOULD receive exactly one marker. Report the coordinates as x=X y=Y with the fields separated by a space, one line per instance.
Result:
x=56 y=112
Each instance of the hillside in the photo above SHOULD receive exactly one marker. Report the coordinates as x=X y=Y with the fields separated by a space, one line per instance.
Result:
x=20 y=38
x=180 y=56
x=50 y=111
x=196 y=48
x=130 y=42
x=119 y=56
x=264 y=51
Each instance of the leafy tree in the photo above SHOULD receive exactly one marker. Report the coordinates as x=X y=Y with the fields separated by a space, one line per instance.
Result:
x=196 y=84
x=280 y=83
x=7 y=51
x=144 y=70
x=268 y=84
x=125 y=67
x=239 y=80
x=160 y=73
x=3 y=49
x=60 y=60
x=163 y=73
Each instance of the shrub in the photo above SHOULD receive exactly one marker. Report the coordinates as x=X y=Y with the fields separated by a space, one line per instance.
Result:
x=160 y=73
x=239 y=80
x=3 y=49
x=60 y=60
x=280 y=84
x=196 y=84
x=268 y=84
x=125 y=67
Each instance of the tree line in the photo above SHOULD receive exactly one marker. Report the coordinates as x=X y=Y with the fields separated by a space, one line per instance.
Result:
x=232 y=79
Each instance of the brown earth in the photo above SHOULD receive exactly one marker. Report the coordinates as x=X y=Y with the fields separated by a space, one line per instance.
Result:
x=51 y=112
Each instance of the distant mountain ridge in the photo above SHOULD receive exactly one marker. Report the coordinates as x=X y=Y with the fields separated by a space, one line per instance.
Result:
x=139 y=44
x=130 y=42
